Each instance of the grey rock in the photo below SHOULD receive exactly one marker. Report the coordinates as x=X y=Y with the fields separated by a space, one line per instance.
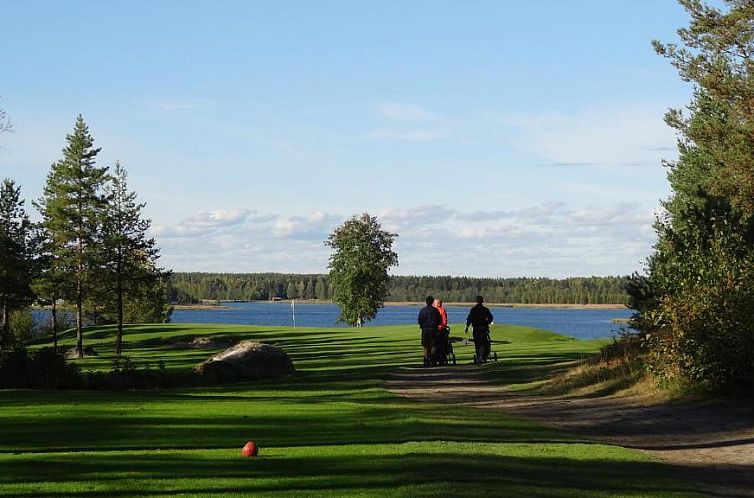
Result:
x=247 y=360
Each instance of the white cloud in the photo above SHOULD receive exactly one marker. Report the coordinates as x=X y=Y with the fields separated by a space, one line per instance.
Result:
x=548 y=239
x=314 y=226
x=217 y=217
x=411 y=217
x=202 y=222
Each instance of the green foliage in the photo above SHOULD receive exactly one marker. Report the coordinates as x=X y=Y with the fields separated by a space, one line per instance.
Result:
x=72 y=207
x=362 y=255
x=697 y=315
x=21 y=325
x=704 y=332
x=129 y=270
x=125 y=374
x=39 y=369
x=147 y=302
x=16 y=258
x=48 y=280
x=188 y=288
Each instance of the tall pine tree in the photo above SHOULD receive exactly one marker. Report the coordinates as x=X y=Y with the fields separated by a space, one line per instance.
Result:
x=15 y=257
x=128 y=254
x=72 y=207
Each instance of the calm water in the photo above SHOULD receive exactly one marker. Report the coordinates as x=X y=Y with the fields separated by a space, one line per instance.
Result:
x=582 y=324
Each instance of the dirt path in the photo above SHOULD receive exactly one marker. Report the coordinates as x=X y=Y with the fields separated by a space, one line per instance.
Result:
x=710 y=443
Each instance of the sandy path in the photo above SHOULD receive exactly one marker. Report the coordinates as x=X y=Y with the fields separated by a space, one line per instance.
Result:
x=710 y=443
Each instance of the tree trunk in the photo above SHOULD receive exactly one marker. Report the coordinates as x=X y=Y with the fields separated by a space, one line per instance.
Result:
x=5 y=333
x=79 y=321
x=119 y=292
x=79 y=281
x=54 y=324
x=79 y=314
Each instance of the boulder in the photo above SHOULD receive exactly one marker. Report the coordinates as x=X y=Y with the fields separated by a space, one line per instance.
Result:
x=247 y=360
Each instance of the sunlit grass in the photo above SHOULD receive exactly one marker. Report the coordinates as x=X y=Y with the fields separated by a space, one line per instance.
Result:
x=329 y=430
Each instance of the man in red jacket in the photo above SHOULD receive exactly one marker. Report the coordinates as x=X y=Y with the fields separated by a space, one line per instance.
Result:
x=443 y=333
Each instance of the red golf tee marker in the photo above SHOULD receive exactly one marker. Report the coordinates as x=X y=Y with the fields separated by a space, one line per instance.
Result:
x=250 y=449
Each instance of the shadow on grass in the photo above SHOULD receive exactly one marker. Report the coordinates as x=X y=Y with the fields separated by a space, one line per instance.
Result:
x=166 y=422
x=413 y=471
x=336 y=399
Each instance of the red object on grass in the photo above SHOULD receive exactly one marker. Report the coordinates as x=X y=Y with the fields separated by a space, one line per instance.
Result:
x=250 y=449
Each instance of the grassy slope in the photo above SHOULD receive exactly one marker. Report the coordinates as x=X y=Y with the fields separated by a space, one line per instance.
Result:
x=330 y=430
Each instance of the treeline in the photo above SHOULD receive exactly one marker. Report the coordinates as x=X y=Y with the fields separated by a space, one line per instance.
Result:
x=190 y=288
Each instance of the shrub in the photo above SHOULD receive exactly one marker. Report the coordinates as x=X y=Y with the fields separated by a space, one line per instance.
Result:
x=125 y=374
x=702 y=335
x=40 y=369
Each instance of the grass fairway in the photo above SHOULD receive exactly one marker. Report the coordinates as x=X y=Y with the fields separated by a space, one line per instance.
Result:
x=330 y=430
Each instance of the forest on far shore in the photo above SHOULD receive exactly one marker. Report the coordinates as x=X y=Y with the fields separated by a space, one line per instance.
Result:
x=191 y=288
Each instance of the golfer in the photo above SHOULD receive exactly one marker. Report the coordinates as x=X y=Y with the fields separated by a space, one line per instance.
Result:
x=480 y=319
x=443 y=332
x=429 y=319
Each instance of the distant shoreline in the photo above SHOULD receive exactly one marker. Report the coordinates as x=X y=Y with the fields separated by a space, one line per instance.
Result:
x=302 y=302
x=200 y=307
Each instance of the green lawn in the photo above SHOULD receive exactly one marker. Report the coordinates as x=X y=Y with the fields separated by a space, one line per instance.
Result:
x=330 y=430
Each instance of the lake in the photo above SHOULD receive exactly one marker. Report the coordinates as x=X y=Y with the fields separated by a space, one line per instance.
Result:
x=579 y=323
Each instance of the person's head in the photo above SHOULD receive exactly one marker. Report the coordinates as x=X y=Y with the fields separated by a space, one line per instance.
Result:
x=437 y=303
x=479 y=299
x=430 y=300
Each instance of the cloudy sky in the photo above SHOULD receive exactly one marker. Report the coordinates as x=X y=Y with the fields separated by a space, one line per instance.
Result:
x=497 y=138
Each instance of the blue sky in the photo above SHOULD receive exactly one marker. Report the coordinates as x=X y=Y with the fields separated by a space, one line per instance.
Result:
x=497 y=138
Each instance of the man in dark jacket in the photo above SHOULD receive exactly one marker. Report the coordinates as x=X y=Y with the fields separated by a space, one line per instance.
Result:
x=480 y=319
x=429 y=320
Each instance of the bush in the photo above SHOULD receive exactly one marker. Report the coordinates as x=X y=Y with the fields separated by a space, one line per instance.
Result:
x=40 y=369
x=48 y=369
x=21 y=323
x=125 y=374
x=702 y=334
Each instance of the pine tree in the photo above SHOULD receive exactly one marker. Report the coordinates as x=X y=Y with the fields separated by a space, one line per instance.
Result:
x=128 y=254
x=698 y=301
x=72 y=206
x=48 y=277
x=15 y=257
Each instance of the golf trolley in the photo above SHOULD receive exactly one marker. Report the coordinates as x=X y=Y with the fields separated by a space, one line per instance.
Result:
x=443 y=347
x=447 y=353
x=483 y=351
